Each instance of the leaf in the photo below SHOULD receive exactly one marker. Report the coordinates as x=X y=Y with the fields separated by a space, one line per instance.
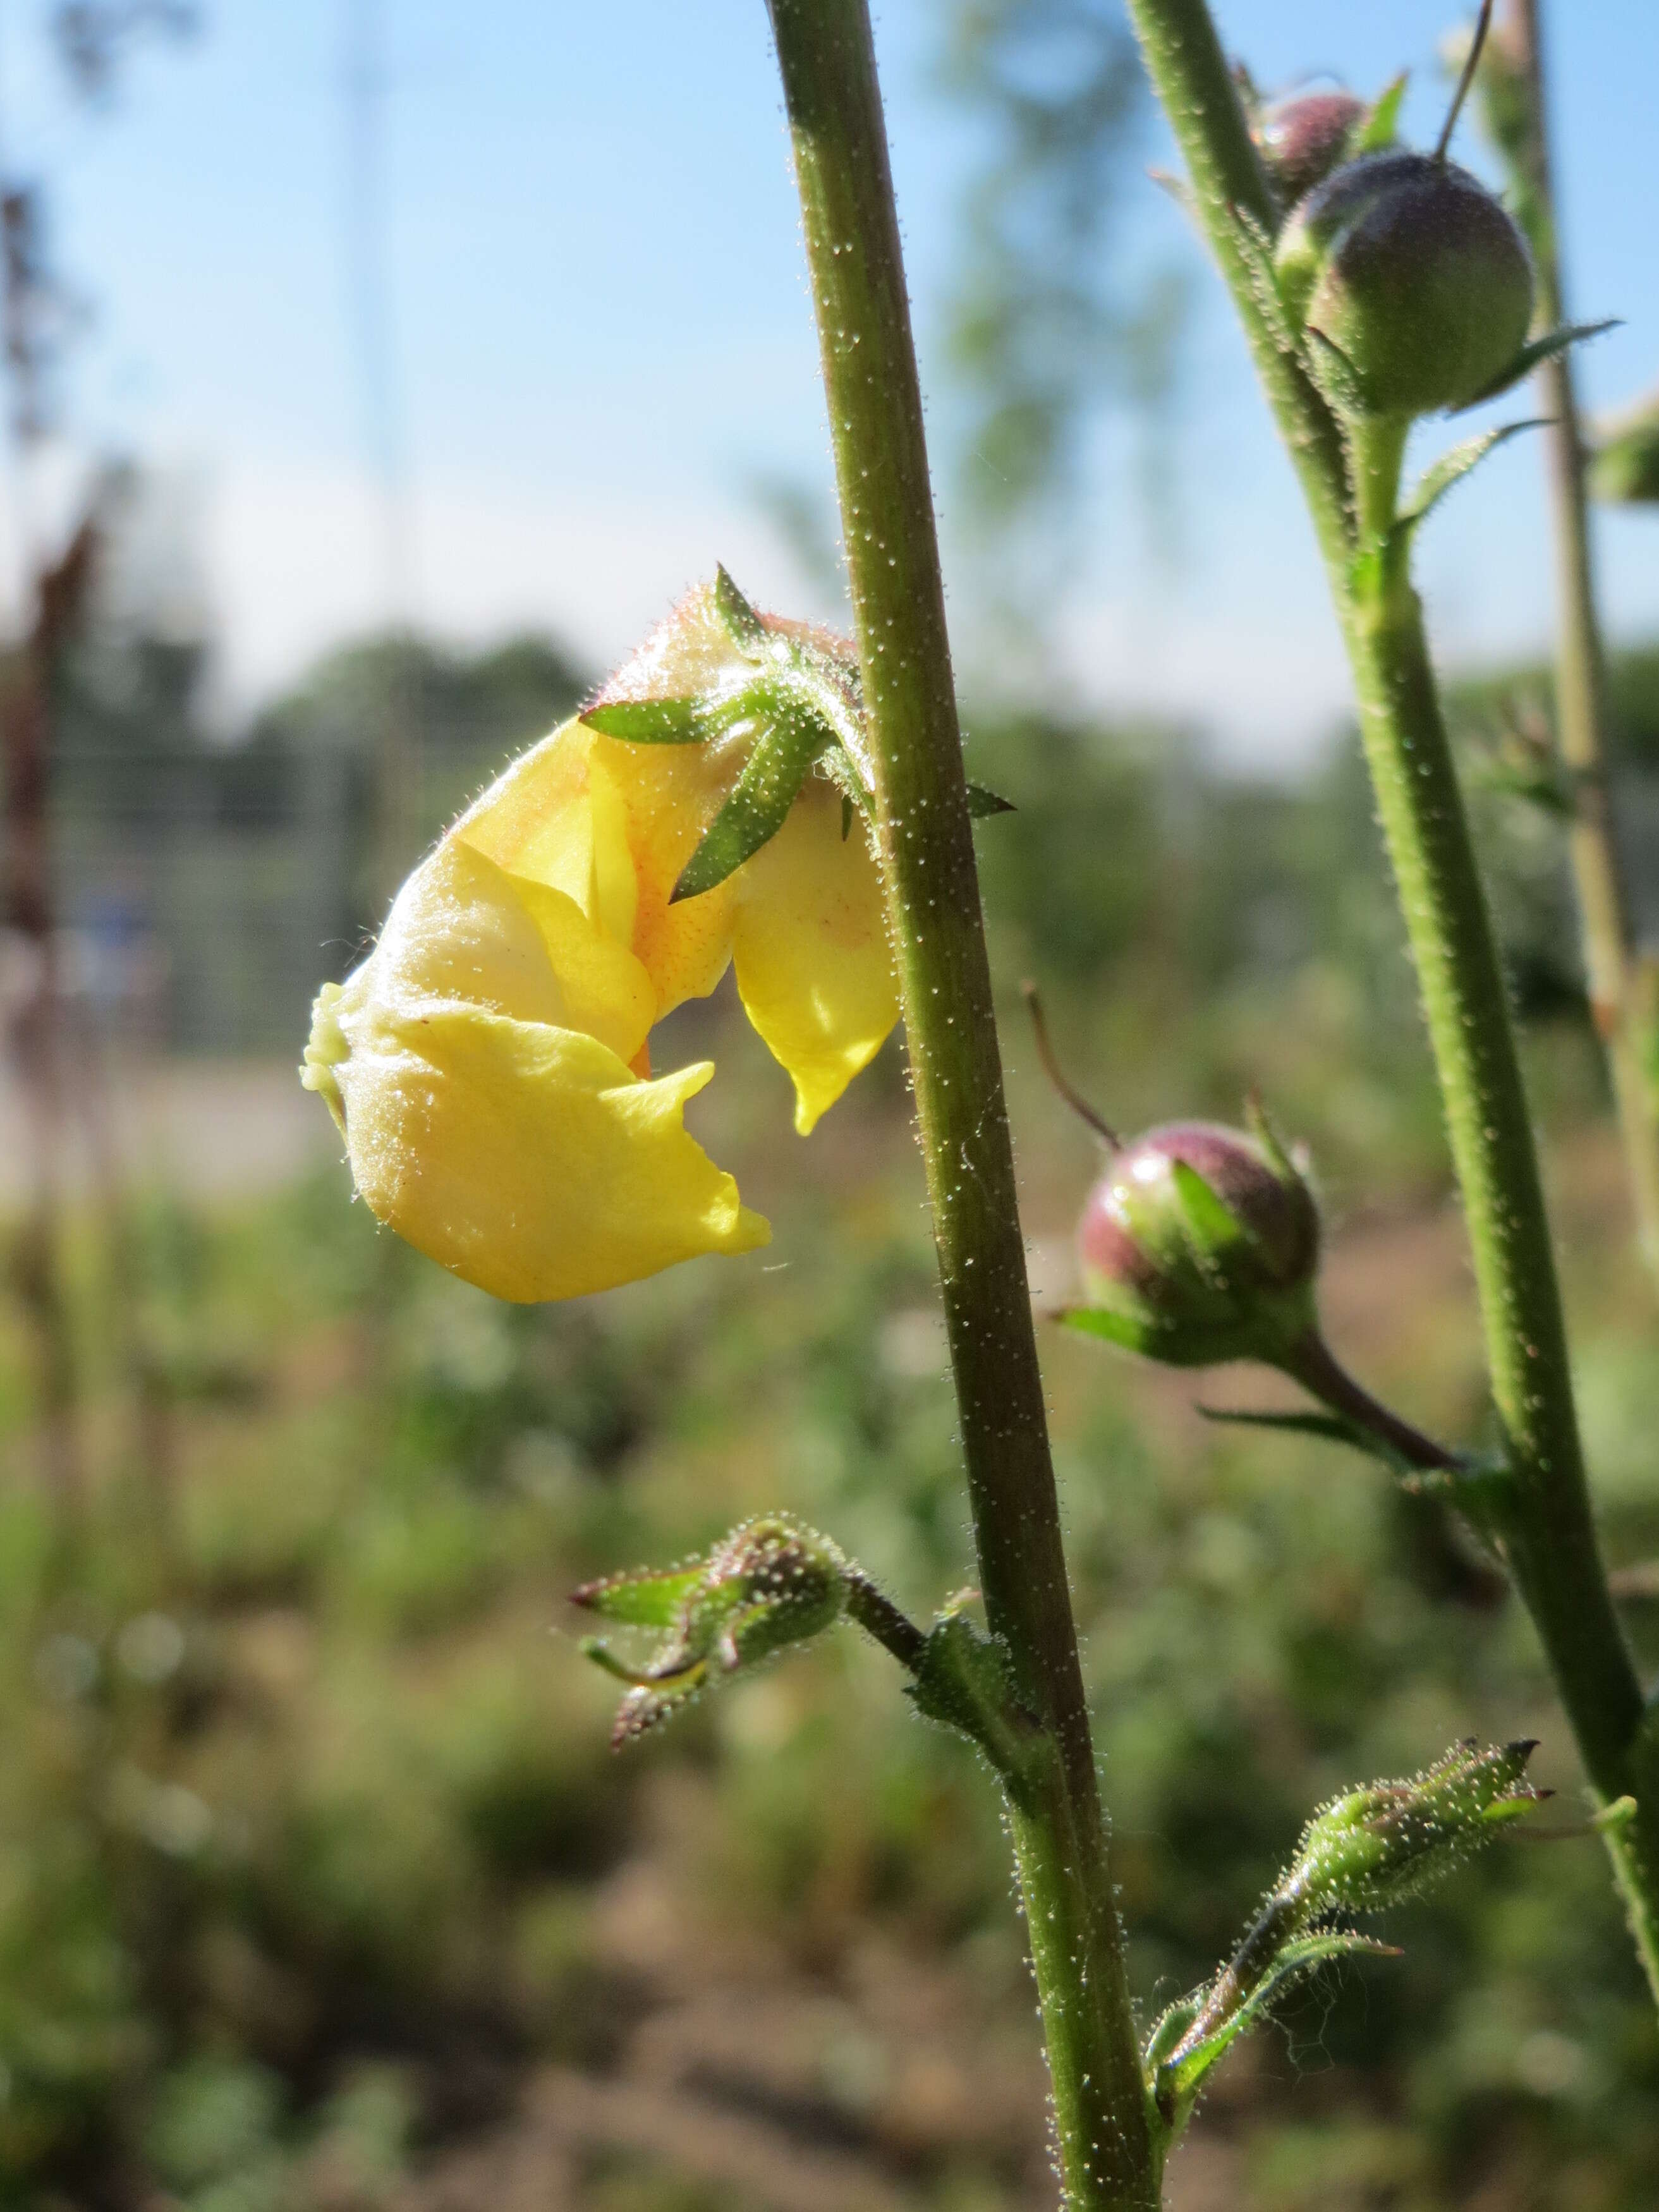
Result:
x=742 y=625
x=758 y=807
x=1451 y=468
x=1181 y=2075
x=640 y=1600
x=1331 y=1426
x=963 y=1680
x=1379 y=126
x=649 y=722
x=1532 y=354
x=983 y=803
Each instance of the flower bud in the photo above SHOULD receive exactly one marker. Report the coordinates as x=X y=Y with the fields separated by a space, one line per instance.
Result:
x=1376 y=1846
x=1410 y=268
x=1625 y=461
x=1302 y=140
x=770 y=1584
x=1199 y=1243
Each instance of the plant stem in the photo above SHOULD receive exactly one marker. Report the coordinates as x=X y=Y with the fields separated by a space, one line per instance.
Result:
x=1107 y=2153
x=879 y=1616
x=1313 y=1365
x=1582 y=716
x=1544 y=1528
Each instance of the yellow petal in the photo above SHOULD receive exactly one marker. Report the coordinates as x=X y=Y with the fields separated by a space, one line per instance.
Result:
x=526 y=1158
x=549 y=819
x=669 y=795
x=462 y=928
x=813 y=962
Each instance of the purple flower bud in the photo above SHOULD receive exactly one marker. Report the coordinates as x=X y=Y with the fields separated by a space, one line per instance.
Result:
x=1412 y=270
x=1302 y=140
x=1199 y=1243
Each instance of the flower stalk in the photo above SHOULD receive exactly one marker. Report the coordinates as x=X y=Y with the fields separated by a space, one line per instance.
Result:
x=1583 y=717
x=1349 y=464
x=1106 y=2141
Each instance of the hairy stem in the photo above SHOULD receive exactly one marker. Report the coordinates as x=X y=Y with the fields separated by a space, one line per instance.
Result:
x=1583 y=717
x=1313 y=1365
x=1107 y=2153
x=1544 y=1528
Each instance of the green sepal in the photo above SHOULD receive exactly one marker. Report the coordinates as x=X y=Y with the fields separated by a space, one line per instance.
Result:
x=739 y=620
x=1175 y=1343
x=1254 y=248
x=1531 y=355
x=675 y=1679
x=645 y=1600
x=759 y=804
x=983 y=803
x=1451 y=468
x=1379 y=126
x=1176 y=2080
x=650 y=721
x=1125 y=1330
x=1262 y=1127
x=1334 y=373
x=962 y=1681
x=1216 y=1228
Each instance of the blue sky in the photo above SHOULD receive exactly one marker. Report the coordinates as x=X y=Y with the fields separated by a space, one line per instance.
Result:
x=602 y=333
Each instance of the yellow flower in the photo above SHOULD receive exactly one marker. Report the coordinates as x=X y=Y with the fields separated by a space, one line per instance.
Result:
x=488 y=1062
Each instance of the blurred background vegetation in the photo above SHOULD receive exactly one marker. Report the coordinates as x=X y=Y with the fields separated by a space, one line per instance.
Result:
x=318 y=1888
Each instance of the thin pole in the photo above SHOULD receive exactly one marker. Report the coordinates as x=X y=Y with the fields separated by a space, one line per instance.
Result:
x=1583 y=712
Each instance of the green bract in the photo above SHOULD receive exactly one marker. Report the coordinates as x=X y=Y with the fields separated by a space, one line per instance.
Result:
x=1413 y=275
x=771 y=1582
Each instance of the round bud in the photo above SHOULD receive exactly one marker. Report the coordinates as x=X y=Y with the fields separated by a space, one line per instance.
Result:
x=1409 y=266
x=1200 y=1243
x=1302 y=140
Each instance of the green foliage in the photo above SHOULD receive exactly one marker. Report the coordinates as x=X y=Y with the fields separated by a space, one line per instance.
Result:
x=255 y=1905
x=1046 y=317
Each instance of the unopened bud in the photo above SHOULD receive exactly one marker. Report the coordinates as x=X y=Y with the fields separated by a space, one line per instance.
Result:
x=1200 y=1243
x=1302 y=139
x=1411 y=270
x=1376 y=1846
x=770 y=1584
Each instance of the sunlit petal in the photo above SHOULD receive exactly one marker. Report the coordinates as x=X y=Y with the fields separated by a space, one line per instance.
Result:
x=814 y=966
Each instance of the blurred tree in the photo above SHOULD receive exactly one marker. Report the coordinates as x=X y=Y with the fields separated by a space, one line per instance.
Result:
x=1050 y=320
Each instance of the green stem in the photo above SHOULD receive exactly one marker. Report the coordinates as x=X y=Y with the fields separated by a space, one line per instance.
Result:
x=1582 y=714
x=1544 y=1529
x=1311 y=1363
x=1107 y=2152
